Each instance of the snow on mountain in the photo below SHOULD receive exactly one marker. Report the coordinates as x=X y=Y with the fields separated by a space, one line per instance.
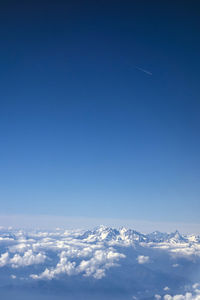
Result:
x=101 y=233
x=127 y=259
x=129 y=236
x=174 y=237
x=111 y=235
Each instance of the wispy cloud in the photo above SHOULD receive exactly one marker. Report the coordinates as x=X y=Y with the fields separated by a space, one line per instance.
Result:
x=145 y=71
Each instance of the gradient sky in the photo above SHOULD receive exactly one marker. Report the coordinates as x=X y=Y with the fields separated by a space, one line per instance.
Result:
x=100 y=109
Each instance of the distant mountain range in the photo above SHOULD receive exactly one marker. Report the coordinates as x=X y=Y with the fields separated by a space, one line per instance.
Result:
x=130 y=236
x=101 y=263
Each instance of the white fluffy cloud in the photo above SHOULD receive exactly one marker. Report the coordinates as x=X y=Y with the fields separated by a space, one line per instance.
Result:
x=142 y=259
x=101 y=260
x=27 y=259
x=90 y=253
x=187 y=296
x=4 y=259
x=193 y=295
x=95 y=266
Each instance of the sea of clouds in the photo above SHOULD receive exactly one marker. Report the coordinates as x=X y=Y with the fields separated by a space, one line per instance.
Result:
x=103 y=263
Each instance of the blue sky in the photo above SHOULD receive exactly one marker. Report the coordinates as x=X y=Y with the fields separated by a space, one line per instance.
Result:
x=85 y=132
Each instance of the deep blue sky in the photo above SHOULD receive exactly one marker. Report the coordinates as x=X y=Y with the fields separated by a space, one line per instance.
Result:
x=83 y=131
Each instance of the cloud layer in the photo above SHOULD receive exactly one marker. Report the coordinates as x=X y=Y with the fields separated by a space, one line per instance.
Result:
x=155 y=266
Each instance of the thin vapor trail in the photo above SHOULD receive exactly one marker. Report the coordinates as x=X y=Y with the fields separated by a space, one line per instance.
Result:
x=145 y=71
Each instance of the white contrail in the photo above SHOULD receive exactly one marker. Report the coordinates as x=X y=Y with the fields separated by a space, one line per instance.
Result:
x=145 y=71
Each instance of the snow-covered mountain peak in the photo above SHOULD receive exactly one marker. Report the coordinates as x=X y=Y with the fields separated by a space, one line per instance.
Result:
x=100 y=233
x=176 y=237
x=97 y=253
x=126 y=236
